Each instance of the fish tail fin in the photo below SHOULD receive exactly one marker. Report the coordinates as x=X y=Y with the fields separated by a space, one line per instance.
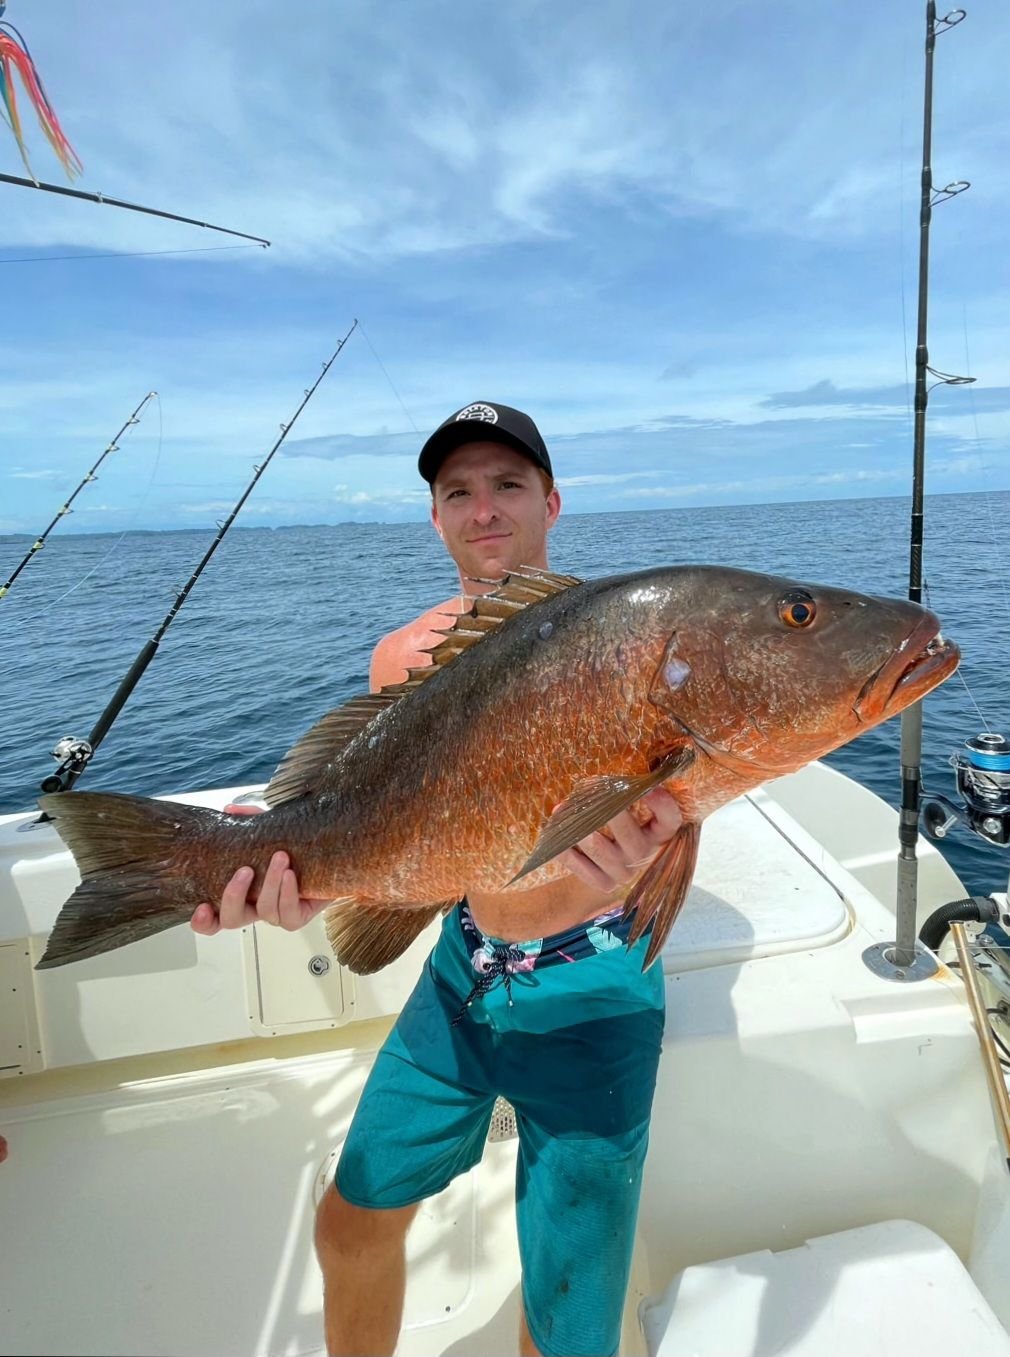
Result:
x=123 y=846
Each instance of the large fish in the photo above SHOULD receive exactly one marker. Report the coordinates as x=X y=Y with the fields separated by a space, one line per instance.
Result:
x=550 y=706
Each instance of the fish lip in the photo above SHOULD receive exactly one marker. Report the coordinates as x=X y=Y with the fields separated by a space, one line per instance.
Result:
x=920 y=664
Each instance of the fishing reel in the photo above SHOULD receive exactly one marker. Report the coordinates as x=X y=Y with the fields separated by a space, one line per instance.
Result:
x=73 y=755
x=983 y=782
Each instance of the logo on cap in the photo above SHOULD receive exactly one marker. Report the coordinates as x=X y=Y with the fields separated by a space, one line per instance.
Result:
x=487 y=414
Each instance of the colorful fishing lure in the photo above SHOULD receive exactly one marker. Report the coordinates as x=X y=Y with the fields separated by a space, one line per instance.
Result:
x=14 y=56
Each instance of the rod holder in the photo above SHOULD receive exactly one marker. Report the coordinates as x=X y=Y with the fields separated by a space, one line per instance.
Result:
x=880 y=959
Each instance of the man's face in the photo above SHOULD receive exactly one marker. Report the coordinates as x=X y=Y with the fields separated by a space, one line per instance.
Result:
x=490 y=510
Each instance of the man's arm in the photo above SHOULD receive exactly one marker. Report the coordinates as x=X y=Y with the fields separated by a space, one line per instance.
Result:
x=388 y=663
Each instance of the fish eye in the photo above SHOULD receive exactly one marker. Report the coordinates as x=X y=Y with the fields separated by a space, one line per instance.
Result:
x=797 y=608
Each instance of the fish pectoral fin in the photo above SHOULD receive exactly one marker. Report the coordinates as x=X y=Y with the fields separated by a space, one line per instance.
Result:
x=593 y=803
x=662 y=888
x=366 y=937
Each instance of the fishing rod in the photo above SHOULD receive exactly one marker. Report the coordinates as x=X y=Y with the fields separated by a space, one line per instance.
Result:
x=65 y=508
x=75 y=754
x=129 y=207
x=15 y=57
x=903 y=955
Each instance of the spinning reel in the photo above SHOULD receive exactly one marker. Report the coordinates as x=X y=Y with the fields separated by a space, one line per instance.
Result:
x=983 y=782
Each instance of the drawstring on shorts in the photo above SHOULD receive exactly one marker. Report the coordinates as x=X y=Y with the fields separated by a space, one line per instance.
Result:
x=505 y=957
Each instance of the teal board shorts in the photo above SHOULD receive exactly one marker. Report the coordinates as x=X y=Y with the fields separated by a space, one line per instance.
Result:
x=569 y=1029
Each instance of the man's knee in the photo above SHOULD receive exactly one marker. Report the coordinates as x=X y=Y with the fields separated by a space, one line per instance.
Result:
x=345 y=1230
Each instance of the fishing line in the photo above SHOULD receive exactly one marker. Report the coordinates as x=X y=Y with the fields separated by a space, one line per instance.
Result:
x=123 y=254
x=34 y=617
x=986 y=725
x=389 y=379
x=960 y=668
x=985 y=467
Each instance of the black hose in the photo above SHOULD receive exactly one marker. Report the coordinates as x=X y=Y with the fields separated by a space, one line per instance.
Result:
x=977 y=909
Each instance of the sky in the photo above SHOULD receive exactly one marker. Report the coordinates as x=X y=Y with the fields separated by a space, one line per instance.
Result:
x=684 y=238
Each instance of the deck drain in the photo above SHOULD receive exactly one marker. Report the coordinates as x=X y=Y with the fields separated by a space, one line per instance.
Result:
x=503 y=1121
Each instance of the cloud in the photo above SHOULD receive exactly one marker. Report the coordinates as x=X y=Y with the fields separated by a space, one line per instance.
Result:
x=41 y=475
x=825 y=393
x=367 y=141
x=686 y=245
x=951 y=398
x=215 y=506
x=961 y=466
x=856 y=476
x=444 y=145
x=602 y=478
x=333 y=447
x=344 y=494
x=682 y=369
x=758 y=486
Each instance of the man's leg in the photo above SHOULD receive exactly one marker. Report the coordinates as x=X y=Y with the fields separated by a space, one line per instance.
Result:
x=527 y=1347
x=421 y=1121
x=363 y=1259
x=577 y=1206
x=583 y=1093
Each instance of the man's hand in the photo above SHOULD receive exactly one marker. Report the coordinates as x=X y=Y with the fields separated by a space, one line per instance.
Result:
x=606 y=862
x=278 y=901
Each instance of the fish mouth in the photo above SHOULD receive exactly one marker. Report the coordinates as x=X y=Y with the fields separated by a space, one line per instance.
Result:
x=920 y=664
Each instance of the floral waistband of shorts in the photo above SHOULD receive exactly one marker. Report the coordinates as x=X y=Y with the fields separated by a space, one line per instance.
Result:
x=494 y=960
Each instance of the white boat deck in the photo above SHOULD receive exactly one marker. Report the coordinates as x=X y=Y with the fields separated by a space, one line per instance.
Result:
x=159 y=1192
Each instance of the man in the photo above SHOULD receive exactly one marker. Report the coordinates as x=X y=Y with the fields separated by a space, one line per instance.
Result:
x=575 y=1049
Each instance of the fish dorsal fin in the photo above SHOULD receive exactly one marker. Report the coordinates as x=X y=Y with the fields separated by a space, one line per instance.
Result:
x=516 y=591
x=300 y=771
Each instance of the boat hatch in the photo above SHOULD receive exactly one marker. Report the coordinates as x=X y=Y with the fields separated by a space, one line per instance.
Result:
x=754 y=895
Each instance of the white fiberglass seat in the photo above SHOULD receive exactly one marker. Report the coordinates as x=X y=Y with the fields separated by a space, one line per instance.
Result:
x=891 y=1287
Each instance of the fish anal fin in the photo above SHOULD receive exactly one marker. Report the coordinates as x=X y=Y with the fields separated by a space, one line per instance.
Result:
x=594 y=802
x=365 y=937
x=661 y=890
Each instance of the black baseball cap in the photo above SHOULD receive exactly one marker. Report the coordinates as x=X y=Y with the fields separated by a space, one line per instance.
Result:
x=479 y=422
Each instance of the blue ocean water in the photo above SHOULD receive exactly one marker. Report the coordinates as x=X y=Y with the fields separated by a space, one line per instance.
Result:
x=280 y=629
